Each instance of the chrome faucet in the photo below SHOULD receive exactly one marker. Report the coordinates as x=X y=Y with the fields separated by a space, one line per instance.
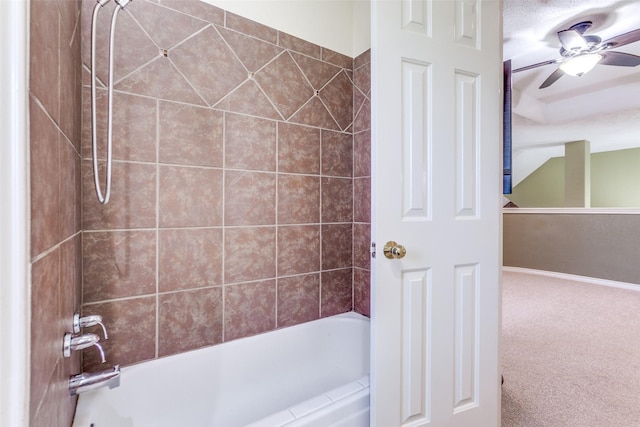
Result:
x=88 y=381
x=79 y=342
x=86 y=321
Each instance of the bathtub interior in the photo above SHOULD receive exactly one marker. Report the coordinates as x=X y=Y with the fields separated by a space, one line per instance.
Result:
x=226 y=385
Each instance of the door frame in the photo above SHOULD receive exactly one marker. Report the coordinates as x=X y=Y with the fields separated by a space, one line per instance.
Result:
x=14 y=216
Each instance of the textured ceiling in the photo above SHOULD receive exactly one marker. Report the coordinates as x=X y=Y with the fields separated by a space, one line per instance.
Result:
x=603 y=106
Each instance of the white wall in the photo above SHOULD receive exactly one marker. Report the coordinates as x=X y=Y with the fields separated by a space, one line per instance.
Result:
x=14 y=284
x=361 y=26
x=340 y=25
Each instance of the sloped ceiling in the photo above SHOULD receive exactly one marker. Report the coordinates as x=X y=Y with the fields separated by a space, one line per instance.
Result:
x=602 y=106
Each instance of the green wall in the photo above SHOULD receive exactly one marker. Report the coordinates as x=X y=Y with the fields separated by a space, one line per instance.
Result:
x=543 y=188
x=615 y=182
x=615 y=179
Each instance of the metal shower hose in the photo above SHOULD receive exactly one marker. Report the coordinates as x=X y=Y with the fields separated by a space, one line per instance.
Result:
x=104 y=199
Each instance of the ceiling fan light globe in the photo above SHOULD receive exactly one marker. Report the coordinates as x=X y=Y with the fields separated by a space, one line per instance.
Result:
x=579 y=65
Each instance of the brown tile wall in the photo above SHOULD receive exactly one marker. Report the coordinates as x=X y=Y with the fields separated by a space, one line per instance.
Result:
x=55 y=249
x=362 y=182
x=233 y=209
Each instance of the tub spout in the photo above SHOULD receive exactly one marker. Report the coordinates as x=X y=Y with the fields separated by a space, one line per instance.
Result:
x=87 y=381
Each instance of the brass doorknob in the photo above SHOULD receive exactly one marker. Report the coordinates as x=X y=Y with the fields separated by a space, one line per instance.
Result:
x=392 y=250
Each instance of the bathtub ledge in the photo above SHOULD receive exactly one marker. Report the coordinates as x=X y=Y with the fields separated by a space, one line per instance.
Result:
x=309 y=407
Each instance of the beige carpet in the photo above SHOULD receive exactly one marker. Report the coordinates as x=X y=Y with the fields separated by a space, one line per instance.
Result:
x=571 y=354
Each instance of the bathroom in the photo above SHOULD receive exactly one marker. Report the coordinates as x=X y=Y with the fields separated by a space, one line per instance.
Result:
x=148 y=217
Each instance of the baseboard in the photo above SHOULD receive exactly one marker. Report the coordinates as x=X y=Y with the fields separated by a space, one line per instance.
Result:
x=575 y=277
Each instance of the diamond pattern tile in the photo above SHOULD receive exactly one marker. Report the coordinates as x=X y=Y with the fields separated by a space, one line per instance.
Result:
x=160 y=79
x=362 y=79
x=337 y=95
x=358 y=99
x=284 y=84
x=362 y=76
x=317 y=72
x=252 y=52
x=208 y=63
x=249 y=99
x=314 y=113
x=133 y=48
x=363 y=117
x=165 y=26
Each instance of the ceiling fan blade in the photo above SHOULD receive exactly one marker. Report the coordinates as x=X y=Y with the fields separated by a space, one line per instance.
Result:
x=620 y=59
x=572 y=40
x=552 y=78
x=623 y=39
x=539 y=64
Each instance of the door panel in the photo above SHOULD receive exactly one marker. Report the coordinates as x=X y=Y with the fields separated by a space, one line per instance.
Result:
x=416 y=140
x=416 y=343
x=466 y=330
x=466 y=144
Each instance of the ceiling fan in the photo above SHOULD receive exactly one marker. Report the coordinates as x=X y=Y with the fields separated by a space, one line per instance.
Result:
x=579 y=53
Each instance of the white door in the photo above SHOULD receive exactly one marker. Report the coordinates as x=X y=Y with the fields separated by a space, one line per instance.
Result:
x=436 y=135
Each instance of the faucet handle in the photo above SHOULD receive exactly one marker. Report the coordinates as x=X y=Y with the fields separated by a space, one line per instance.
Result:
x=85 y=321
x=80 y=342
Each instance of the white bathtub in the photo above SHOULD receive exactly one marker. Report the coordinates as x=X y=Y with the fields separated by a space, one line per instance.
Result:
x=313 y=375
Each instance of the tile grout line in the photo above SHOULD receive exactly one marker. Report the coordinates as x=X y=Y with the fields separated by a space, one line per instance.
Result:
x=320 y=278
x=353 y=190
x=353 y=199
x=157 y=230
x=213 y=227
x=214 y=107
x=224 y=226
x=277 y=251
x=205 y=167
x=177 y=291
